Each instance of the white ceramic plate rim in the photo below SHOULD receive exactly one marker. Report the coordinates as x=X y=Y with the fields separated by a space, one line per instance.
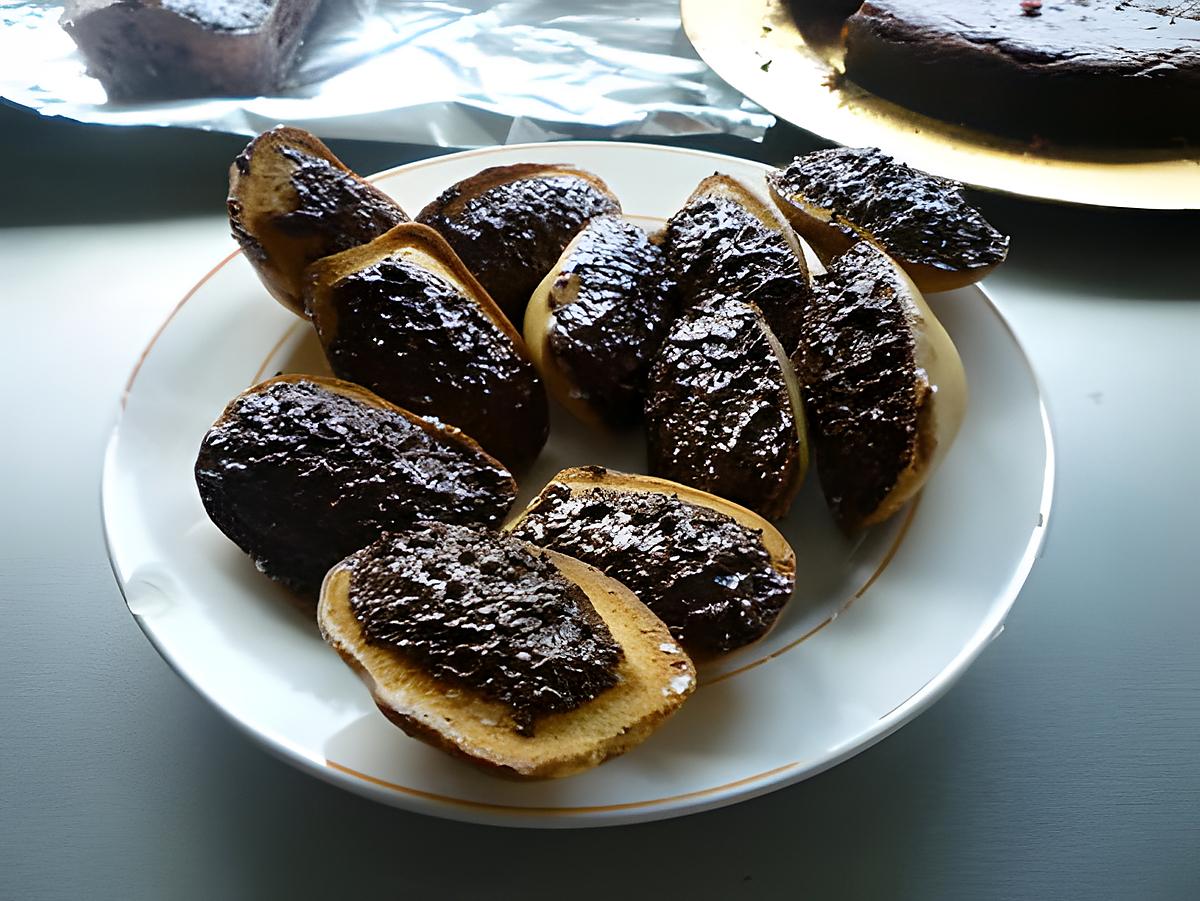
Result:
x=662 y=808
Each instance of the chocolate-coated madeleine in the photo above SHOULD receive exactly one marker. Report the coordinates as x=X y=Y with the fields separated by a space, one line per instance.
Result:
x=300 y=471
x=525 y=662
x=728 y=241
x=292 y=202
x=883 y=386
x=835 y=198
x=597 y=319
x=510 y=223
x=403 y=317
x=723 y=410
x=716 y=573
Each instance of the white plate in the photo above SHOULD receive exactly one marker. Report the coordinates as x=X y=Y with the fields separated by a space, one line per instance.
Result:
x=877 y=631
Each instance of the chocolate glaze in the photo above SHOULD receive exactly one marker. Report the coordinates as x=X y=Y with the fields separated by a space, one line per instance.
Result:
x=718 y=413
x=717 y=248
x=340 y=208
x=858 y=370
x=611 y=306
x=914 y=216
x=478 y=609
x=511 y=234
x=415 y=339
x=1123 y=71
x=299 y=477
x=705 y=575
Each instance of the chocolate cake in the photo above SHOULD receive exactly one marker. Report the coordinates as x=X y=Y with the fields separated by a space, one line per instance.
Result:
x=300 y=471
x=154 y=49
x=727 y=241
x=884 y=388
x=480 y=609
x=723 y=411
x=715 y=573
x=836 y=197
x=402 y=316
x=510 y=224
x=1113 y=71
x=292 y=202
x=597 y=319
x=527 y=663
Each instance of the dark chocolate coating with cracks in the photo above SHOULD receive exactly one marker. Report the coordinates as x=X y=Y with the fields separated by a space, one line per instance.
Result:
x=719 y=415
x=717 y=248
x=299 y=477
x=511 y=235
x=913 y=216
x=479 y=609
x=704 y=574
x=857 y=367
x=415 y=339
x=605 y=338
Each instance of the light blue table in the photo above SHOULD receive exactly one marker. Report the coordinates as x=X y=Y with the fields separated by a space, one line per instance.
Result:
x=1066 y=764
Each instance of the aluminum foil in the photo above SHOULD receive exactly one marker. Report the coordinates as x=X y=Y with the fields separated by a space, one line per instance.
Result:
x=448 y=74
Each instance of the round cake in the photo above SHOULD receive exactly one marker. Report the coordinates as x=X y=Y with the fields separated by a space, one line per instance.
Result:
x=1108 y=71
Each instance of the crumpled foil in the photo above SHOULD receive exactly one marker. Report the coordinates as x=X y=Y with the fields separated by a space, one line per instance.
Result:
x=448 y=74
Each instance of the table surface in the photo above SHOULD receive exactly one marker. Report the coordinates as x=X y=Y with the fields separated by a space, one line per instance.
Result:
x=1066 y=764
